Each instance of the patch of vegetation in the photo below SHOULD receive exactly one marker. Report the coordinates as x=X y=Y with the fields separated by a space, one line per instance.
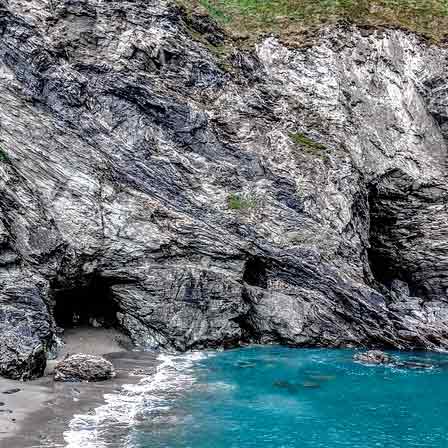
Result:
x=216 y=46
x=236 y=201
x=3 y=156
x=309 y=146
x=303 y=140
x=221 y=52
x=289 y=18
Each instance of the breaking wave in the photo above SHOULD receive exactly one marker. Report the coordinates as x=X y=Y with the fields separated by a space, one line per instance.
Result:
x=111 y=424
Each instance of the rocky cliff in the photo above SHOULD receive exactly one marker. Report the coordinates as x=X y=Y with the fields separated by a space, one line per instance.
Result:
x=274 y=195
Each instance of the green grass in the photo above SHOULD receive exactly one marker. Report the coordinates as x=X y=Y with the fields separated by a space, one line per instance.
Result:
x=302 y=140
x=289 y=18
x=220 y=51
x=238 y=202
x=3 y=156
x=309 y=146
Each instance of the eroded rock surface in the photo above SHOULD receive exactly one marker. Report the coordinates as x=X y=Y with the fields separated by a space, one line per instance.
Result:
x=378 y=357
x=272 y=198
x=81 y=367
x=373 y=357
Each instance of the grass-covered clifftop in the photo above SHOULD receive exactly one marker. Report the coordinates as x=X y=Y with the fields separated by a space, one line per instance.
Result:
x=290 y=18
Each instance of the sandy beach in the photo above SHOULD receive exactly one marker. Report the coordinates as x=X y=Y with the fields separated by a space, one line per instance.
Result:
x=35 y=414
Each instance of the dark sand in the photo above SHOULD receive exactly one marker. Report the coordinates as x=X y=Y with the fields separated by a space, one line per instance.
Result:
x=37 y=415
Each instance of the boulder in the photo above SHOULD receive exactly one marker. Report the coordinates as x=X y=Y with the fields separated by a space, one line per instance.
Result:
x=399 y=288
x=80 y=367
x=373 y=357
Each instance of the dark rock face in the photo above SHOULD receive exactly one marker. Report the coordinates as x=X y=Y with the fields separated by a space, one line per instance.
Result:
x=81 y=367
x=122 y=140
x=24 y=326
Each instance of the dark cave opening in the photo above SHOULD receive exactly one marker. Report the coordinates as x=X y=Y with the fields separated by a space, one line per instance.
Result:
x=255 y=273
x=381 y=268
x=88 y=304
x=379 y=253
x=387 y=203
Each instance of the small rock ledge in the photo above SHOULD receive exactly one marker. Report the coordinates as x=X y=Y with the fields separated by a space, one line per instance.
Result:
x=377 y=357
x=373 y=357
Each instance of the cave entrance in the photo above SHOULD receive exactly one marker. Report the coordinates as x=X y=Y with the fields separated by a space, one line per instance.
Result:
x=382 y=252
x=255 y=272
x=390 y=214
x=89 y=304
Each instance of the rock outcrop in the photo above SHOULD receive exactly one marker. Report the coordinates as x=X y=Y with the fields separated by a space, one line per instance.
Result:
x=276 y=196
x=82 y=367
x=373 y=357
x=378 y=357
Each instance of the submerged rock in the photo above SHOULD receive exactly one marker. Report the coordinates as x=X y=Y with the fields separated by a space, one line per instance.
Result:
x=374 y=357
x=322 y=378
x=287 y=385
x=82 y=367
x=311 y=385
x=416 y=365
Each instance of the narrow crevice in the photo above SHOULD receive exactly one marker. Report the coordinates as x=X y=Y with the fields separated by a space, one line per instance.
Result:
x=254 y=275
x=244 y=321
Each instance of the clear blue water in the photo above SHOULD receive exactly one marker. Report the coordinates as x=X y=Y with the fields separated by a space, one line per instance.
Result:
x=288 y=398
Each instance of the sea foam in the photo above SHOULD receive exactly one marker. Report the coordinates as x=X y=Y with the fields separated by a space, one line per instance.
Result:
x=111 y=423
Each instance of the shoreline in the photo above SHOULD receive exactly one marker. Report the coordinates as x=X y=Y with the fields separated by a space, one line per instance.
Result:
x=38 y=414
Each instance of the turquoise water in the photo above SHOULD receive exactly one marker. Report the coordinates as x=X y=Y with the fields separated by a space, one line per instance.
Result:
x=288 y=398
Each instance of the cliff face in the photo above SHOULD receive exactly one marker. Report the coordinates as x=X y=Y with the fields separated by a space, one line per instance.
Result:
x=293 y=196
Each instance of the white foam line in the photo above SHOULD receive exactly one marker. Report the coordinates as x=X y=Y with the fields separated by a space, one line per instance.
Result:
x=122 y=410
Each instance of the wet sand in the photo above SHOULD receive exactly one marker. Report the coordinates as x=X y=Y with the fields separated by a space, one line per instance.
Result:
x=18 y=406
x=37 y=415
